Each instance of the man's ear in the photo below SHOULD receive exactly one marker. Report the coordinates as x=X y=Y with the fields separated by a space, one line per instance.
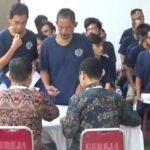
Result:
x=9 y=76
x=30 y=78
x=84 y=76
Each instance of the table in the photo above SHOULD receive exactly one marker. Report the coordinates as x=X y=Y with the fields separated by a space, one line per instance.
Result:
x=133 y=137
x=52 y=131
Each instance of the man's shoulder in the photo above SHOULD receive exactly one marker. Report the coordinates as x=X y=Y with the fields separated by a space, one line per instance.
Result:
x=30 y=33
x=4 y=33
x=50 y=39
x=101 y=92
x=128 y=31
x=108 y=43
x=143 y=54
x=80 y=36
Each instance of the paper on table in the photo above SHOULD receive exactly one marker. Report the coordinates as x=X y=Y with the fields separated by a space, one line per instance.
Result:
x=145 y=98
x=35 y=78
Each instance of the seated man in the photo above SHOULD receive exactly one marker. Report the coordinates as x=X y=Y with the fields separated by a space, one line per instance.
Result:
x=95 y=107
x=21 y=106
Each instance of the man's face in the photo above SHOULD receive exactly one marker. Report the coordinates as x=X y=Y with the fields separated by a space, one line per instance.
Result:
x=92 y=28
x=97 y=49
x=148 y=40
x=18 y=23
x=137 y=16
x=65 y=27
x=45 y=30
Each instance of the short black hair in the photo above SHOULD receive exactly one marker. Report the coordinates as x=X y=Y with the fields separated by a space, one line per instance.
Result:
x=142 y=30
x=18 y=9
x=92 y=20
x=66 y=13
x=135 y=10
x=20 y=68
x=92 y=67
x=95 y=39
x=39 y=20
x=50 y=25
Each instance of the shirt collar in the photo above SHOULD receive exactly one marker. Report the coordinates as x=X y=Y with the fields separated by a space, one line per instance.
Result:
x=18 y=87
x=93 y=85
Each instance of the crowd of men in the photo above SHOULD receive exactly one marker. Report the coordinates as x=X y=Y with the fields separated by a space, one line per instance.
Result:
x=75 y=69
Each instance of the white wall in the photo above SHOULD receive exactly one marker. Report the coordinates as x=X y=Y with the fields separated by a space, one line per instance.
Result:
x=115 y=14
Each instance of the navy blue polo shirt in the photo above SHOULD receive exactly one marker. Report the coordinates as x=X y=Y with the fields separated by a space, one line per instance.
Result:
x=125 y=43
x=109 y=50
x=109 y=72
x=28 y=48
x=133 y=54
x=142 y=70
x=126 y=33
x=62 y=64
x=129 y=49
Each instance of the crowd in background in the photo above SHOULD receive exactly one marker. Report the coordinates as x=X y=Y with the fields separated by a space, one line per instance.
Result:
x=78 y=64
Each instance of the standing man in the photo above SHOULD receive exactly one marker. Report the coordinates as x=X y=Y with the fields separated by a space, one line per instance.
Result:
x=16 y=41
x=142 y=74
x=94 y=26
x=136 y=14
x=127 y=37
x=61 y=56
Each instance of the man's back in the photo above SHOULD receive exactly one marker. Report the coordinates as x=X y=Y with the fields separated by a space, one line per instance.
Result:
x=21 y=106
x=97 y=108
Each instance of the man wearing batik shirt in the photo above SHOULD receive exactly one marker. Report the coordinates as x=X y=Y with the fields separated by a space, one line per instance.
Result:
x=20 y=106
x=95 y=107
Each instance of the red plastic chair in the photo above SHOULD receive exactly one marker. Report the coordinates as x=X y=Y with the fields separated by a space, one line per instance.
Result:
x=16 y=138
x=102 y=139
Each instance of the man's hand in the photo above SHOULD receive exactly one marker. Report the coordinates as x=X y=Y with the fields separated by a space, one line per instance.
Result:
x=52 y=90
x=17 y=42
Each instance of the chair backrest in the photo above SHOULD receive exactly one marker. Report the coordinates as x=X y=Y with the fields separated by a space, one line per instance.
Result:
x=16 y=138
x=102 y=139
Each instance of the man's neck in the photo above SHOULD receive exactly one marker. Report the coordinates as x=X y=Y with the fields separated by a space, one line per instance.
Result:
x=63 y=41
x=92 y=82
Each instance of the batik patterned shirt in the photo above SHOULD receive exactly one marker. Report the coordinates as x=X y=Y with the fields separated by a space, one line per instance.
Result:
x=96 y=108
x=21 y=106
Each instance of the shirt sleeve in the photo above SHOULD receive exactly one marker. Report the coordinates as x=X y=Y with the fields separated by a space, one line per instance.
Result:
x=47 y=109
x=131 y=59
x=110 y=71
x=35 y=53
x=138 y=69
x=71 y=123
x=44 y=57
x=127 y=115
